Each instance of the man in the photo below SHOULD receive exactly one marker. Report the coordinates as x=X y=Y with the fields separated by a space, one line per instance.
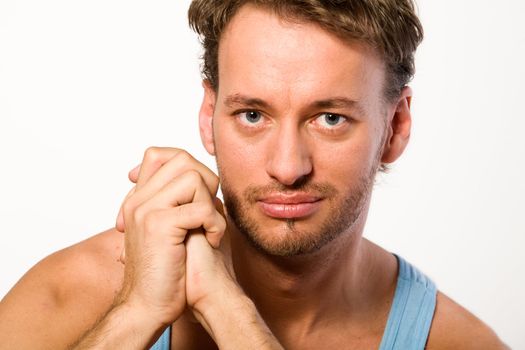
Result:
x=304 y=102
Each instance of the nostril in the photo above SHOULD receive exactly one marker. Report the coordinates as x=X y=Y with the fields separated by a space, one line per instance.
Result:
x=300 y=182
x=291 y=175
x=290 y=158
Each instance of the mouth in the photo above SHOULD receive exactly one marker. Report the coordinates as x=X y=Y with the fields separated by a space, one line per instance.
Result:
x=294 y=206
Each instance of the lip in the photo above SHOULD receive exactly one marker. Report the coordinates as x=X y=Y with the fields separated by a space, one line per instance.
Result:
x=295 y=198
x=295 y=206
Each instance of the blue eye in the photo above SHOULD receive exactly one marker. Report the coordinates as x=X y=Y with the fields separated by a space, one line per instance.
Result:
x=330 y=119
x=250 y=117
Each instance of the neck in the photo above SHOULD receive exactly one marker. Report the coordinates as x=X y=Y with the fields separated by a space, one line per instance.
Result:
x=342 y=280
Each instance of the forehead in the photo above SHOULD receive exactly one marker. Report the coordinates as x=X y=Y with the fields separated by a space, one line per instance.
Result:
x=264 y=55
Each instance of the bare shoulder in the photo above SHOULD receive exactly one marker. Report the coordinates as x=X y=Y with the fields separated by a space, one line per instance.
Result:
x=69 y=290
x=454 y=327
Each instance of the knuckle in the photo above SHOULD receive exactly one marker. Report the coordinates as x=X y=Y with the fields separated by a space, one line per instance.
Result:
x=194 y=210
x=152 y=154
x=222 y=223
x=199 y=211
x=207 y=216
x=151 y=220
x=217 y=227
x=128 y=207
x=215 y=183
x=194 y=177
x=139 y=214
x=208 y=210
x=183 y=156
x=184 y=211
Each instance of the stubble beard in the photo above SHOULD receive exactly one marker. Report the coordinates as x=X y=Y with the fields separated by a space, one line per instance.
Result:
x=343 y=212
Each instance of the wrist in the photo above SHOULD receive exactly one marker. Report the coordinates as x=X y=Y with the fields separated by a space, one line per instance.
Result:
x=123 y=326
x=145 y=312
x=234 y=322
x=224 y=305
x=137 y=315
x=223 y=294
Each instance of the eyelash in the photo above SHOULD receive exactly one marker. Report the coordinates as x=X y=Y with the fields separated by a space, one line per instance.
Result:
x=341 y=117
x=255 y=125
x=239 y=113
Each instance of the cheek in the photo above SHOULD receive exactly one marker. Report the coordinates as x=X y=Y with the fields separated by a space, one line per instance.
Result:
x=242 y=160
x=342 y=168
x=346 y=160
x=237 y=159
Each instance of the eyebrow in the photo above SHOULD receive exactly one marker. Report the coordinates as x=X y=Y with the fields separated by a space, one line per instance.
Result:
x=338 y=102
x=238 y=99
x=245 y=101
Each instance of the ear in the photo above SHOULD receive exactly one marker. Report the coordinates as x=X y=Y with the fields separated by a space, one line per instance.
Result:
x=206 y=117
x=398 y=128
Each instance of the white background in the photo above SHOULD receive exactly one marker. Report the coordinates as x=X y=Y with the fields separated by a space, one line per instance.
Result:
x=86 y=86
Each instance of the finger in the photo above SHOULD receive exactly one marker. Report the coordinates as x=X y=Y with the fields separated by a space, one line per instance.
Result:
x=180 y=163
x=224 y=241
x=122 y=257
x=120 y=224
x=190 y=188
x=154 y=159
x=178 y=221
x=176 y=166
x=133 y=174
x=190 y=193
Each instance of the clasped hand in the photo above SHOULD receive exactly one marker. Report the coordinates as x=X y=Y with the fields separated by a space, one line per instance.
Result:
x=173 y=226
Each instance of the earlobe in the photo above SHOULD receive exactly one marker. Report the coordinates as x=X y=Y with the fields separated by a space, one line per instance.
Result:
x=206 y=117
x=398 y=128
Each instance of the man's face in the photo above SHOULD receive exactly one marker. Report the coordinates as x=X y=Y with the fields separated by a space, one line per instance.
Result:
x=298 y=128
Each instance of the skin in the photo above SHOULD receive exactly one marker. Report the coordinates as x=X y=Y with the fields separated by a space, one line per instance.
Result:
x=210 y=281
x=290 y=143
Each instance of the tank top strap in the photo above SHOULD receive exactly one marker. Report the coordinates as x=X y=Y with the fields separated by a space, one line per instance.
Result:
x=164 y=342
x=412 y=310
x=409 y=319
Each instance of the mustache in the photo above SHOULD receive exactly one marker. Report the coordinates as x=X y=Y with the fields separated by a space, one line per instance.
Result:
x=325 y=190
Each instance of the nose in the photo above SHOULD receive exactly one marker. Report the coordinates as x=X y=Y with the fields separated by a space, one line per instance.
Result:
x=290 y=160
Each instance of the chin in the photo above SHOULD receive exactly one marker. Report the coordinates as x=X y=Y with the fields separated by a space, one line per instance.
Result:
x=289 y=246
x=289 y=237
x=337 y=215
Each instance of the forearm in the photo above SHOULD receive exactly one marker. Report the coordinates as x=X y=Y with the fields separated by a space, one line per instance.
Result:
x=235 y=323
x=123 y=327
x=241 y=327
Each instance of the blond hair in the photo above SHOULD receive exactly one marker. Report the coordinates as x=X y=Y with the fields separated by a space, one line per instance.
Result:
x=390 y=27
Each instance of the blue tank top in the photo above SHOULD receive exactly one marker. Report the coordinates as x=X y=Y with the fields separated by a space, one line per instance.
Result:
x=409 y=319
